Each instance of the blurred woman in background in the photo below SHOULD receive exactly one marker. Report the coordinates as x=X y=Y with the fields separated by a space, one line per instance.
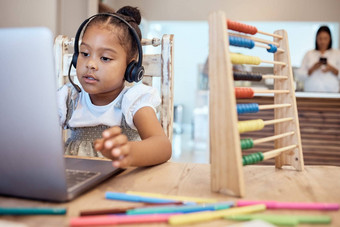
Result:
x=320 y=67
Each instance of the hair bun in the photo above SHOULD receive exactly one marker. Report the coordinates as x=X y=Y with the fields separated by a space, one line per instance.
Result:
x=132 y=12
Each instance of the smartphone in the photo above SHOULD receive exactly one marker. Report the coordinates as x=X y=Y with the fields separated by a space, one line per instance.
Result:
x=323 y=60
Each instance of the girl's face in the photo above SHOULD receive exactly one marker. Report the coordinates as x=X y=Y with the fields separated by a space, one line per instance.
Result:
x=323 y=40
x=101 y=65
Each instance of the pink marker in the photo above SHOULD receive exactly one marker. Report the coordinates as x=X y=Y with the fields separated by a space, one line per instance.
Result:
x=119 y=219
x=291 y=205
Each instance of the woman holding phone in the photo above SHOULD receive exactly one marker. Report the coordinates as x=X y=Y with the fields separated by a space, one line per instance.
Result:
x=320 y=67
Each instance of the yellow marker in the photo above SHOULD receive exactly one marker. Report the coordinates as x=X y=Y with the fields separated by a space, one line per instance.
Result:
x=212 y=215
x=174 y=197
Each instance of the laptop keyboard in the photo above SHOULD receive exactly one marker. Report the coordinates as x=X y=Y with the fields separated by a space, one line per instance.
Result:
x=76 y=178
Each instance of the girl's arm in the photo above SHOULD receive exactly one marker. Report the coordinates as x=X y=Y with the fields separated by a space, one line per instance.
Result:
x=154 y=148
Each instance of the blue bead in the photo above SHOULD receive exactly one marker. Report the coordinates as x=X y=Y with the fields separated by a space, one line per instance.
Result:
x=272 y=49
x=241 y=42
x=247 y=108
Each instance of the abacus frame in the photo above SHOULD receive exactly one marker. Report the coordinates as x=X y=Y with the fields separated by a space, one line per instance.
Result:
x=225 y=150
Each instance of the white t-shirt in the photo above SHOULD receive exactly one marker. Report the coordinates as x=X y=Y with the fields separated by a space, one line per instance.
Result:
x=320 y=81
x=128 y=102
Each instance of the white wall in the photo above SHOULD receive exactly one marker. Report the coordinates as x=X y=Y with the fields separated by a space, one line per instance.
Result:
x=73 y=13
x=61 y=16
x=191 y=43
x=242 y=10
x=23 y=13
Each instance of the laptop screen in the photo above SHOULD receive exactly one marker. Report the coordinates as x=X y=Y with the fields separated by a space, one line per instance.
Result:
x=31 y=142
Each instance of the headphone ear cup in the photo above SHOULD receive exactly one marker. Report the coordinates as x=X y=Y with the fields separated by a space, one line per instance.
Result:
x=129 y=72
x=133 y=73
x=74 y=60
x=138 y=73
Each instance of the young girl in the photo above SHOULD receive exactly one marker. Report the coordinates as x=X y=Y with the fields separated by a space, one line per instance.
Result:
x=107 y=118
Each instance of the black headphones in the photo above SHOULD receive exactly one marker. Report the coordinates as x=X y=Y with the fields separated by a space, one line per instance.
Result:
x=134 y=71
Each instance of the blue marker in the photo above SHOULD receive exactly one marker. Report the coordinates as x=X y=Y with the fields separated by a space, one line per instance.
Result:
x=136 y=198
x=31 y=211
x=181 y=209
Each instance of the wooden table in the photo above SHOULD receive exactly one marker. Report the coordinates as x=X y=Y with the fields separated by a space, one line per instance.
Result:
x=315 y=184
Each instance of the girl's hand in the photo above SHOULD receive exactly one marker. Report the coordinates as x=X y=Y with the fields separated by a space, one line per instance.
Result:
x=114 y=145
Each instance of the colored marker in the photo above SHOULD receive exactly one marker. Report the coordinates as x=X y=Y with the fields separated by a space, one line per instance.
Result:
x=105 y=211
x=119 y=219
x=291 y=205
x=173 y=197
x=287 y=220
x=122 y=210
x=212 y=215
x=135 y=198
x=31 y=211
x=180 y=209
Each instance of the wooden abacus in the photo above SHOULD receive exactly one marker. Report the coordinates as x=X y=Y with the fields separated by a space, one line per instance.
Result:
x=225 y=144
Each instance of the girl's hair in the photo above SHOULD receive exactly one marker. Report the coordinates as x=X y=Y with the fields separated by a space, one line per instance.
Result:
x=127 y=41
x=323 y=29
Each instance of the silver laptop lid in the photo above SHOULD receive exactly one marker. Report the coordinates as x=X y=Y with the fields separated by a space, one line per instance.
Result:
x=31 y=156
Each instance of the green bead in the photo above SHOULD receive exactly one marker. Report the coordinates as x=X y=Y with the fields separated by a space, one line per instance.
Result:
x=261 y=155
x=252 y=158
x=258 y=157
x=246 y=160
x=247 y=143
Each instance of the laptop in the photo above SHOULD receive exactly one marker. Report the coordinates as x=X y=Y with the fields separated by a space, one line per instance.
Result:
x=32 y=163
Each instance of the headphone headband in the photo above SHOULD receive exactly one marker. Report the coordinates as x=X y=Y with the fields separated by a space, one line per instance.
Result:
x=133 y=31
x=134 y=71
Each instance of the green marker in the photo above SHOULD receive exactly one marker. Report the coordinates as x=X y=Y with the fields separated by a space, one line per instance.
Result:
x=31 y=211
x=287 y=220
